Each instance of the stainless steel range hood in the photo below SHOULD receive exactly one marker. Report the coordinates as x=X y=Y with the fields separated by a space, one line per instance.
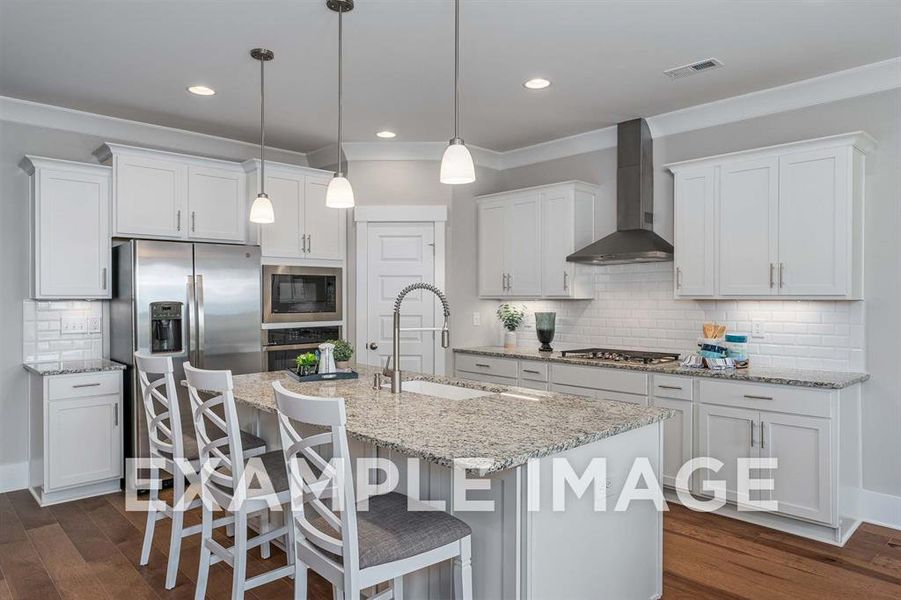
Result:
x=634 y=240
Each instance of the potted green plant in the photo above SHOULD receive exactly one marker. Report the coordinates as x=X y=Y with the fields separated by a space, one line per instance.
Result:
x=306 y=364
x=511 y=317
x=343 y=353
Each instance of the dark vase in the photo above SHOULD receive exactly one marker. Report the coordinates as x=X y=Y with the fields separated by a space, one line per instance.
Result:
x=544 y=327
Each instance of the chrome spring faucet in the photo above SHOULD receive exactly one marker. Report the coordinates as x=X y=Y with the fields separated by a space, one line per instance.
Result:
x=445 y=334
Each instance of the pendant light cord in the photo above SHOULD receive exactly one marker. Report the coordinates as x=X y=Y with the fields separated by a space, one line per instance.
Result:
x=456 y=67
x=262 y=126
x=340 y=87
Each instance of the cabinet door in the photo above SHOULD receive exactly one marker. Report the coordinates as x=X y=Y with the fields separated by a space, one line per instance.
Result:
x=557 y=240
x=282 y=239
x=83 y=441
x=323 y=226
x=72 y=237
x=695 y=229
x=492 y=224
x=523 y=256
x=814 y=223
x=216 y=204
x=727 y=434
x=804 y=477
x=748 y=209
x=150 y=196
x=677 y=438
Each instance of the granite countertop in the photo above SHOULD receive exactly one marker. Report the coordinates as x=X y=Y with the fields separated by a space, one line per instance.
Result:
x=490 y=433
x=72 y=367
x=835 y=380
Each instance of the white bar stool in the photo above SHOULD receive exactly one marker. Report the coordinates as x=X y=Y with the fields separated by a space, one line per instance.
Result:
x=226 y=474
x=168 y=445
x=352 y=548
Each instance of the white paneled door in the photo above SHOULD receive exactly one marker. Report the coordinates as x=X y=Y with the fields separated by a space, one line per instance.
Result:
x=400 y=254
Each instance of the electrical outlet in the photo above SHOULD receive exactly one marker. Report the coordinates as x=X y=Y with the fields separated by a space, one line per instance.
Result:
x=476 y=319
x=73 y=325
x=94 y=324
x=757 y=329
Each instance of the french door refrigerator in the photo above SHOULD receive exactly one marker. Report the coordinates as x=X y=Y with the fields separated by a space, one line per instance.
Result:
x=198 y=303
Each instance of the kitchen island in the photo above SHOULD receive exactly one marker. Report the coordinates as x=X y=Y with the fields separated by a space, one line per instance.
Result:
x=510 y=437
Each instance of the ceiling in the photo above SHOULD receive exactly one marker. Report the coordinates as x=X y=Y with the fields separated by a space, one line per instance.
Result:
x=133 y=59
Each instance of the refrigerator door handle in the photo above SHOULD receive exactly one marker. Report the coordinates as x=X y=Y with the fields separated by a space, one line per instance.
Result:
x=198 y=285
x=192 y=320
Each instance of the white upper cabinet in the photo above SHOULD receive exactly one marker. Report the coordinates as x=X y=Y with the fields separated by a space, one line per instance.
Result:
x=524 y=237
x=695 y=224
x=304 y=227
x=175 y=196
x=70 y=242
x=779 y=221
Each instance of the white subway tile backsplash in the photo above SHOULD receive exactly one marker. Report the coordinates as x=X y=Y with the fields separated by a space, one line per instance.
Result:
x=634 y=308
x=44 y=339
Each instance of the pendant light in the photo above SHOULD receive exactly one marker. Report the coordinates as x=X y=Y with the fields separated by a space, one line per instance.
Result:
x=339 y=194
x=261 y=211
x=456 y=164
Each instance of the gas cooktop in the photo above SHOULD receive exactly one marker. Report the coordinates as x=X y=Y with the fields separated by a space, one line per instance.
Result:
x=632 y=356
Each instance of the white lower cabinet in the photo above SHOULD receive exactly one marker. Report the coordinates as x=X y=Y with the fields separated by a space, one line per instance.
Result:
x=76 y=435
x=726 y=434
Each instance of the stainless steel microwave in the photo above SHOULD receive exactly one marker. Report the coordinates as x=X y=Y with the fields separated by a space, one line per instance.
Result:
x=302 y=294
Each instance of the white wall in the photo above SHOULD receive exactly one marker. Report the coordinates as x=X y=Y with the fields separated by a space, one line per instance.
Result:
x=17 y=140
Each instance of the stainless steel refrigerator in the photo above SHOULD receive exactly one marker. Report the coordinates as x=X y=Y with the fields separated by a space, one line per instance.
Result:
x=194 y=302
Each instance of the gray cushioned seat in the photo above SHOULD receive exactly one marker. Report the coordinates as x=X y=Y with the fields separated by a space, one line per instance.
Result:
x=389 y=532
x=274 y=463
x=248 y=442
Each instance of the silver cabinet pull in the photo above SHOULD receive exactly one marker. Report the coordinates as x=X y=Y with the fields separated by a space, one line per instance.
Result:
x=303 y=243
x=772 y=278
x=752 y=433
x=504 y=281
x=762 y=436
x=530 y=371
x=116 y=415
x=309 y=243
x=84 y=385
x=483 y=365
x=565 y=281
x=193 y=221
x=781 y=274
x=103 y=278
x=678 y=278
x=178 y=220
x=669 y=387
x=510 y=282
x=753 y=397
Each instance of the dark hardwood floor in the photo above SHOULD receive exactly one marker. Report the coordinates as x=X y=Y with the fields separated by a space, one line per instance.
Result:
x=89 y=550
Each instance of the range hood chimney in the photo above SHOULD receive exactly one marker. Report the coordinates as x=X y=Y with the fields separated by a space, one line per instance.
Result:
x=634 y=240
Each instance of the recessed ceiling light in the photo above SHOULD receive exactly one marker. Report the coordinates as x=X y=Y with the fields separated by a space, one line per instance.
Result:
x=537 y=84
x=201 y=90
x=386 y=134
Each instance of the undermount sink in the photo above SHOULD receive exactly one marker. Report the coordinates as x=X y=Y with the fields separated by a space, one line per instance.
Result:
x=440 y=390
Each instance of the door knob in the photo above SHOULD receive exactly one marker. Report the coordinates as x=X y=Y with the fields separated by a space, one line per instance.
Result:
x=373 y=346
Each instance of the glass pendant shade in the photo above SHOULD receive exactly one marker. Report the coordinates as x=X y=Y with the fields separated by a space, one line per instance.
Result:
x=456 y=164
x=339 y=194
x=261 y=211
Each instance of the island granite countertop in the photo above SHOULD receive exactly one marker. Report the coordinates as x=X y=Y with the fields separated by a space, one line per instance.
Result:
x=797 y=377
x=486 y=434
x=73 y=367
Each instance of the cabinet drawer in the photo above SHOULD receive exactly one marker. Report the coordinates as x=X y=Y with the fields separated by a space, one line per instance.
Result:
x=596 y=378
x=533 y=370
x=484 y=378
x=667 y=386
x=88 y=384
x=533 y=385
x=501 y=367
x=775 y=398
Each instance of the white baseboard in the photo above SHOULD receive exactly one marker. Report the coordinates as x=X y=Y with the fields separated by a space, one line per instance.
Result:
x=13 y=477
x=879 y=509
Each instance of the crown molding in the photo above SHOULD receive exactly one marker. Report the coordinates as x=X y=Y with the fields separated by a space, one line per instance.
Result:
x=858 y=81
x=27 y=112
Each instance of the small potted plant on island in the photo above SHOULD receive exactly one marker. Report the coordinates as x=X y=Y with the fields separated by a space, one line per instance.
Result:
x=343 y=353
x=511 y=317
x=306 y=364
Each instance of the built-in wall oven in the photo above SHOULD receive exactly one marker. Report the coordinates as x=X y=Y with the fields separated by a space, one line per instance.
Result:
x=282 y=346
x=301 y=294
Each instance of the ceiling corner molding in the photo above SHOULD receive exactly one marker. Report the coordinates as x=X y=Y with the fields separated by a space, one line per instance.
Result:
x=375 y=151
x=26 y=112
x=858 y=81
x=579 y=143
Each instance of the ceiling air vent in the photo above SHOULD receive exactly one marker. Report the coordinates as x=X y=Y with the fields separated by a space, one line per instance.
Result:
x=695 y=67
